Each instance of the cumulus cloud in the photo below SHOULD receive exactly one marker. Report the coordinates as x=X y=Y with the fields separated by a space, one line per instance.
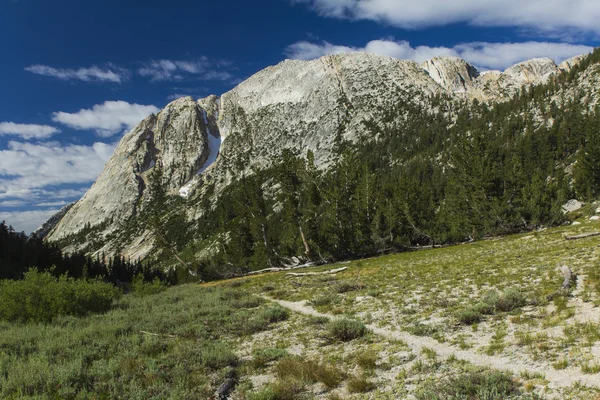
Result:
x=92 y=74
x=27 y=131
x=46 y=175
x=31 y=171
x=12 y=203
x=481 y=54
x=204 y=68
x=106 y=119
x=557 y=16
x=26 y=221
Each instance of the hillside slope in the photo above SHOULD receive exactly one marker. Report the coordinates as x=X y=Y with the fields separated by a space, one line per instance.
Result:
x=170 y=187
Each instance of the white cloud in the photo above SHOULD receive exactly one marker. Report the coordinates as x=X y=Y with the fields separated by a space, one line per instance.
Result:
x=107 y=118
x=26 y=221
x=91 y=74
x=205 y=69
x=481 y=54
x=52 y=204
x=12 y=203
x=30 y=171
x=557 y=16
x=27 y=131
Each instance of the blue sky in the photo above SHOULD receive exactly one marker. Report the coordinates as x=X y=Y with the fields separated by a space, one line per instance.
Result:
x=78 y=74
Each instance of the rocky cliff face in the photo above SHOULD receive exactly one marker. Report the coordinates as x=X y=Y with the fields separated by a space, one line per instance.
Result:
x=173 y=144
x=304 y=105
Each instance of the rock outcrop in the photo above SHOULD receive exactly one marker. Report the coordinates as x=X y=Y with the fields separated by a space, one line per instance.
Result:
x=172 y=144
x=452 y=73
x=45 y=229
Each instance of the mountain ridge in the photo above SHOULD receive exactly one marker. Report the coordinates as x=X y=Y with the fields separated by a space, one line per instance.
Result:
x=308 y=105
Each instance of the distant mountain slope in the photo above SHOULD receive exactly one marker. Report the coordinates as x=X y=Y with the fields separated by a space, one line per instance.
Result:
x=159 y=193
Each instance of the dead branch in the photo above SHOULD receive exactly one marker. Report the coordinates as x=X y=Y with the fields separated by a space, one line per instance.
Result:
x=583 y=236
x=330 y=272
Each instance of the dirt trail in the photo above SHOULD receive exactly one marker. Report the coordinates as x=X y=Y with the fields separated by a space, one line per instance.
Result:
x=556 y=378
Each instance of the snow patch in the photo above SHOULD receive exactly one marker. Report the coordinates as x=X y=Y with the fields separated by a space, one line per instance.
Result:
x=185 y=190
x=214 y=146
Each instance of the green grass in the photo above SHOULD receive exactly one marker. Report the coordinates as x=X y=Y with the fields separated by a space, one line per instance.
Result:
x=309 y=371
x=488 y=385
x=485 y=297
x=345 y=329
x=175 y=344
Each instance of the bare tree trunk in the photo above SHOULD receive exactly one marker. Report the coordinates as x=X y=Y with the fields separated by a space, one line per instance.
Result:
x=306 y=247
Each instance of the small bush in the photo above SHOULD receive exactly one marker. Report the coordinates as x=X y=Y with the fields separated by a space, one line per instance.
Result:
x=317 y=320
x=510 y=299
x=323 y=300
x=218 y=355
x=344 y=287
x=489 y=385
x=492 y=302
x=347 y=329
x=283 y=389
x=309 y=371
x=262 y=357
x=275 y=314
x=40 y=297
x=141 y=288
x=360 y=384
x=248 y=302
x=468 y=316
x=260 y=320
x=367 y=359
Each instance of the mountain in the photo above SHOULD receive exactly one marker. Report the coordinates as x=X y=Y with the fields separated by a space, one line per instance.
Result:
x=169 y=190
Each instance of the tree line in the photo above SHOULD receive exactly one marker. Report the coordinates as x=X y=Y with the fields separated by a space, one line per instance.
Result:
x=19 y=253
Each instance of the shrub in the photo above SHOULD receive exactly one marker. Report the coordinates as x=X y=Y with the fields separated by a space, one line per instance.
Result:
x=367 y=359
x=360 y=384
x=344 y=287
x=489 y=385
x=283 y=389
x=309 y=371
x=492 y=302
x=468 y=316
x=323 y=300
x=218 y=355
x=317 y=320
x=510 y=299
x=141 y=288
x=347 y=329
x=40 y=297
x=275 y=314
x=262 y=357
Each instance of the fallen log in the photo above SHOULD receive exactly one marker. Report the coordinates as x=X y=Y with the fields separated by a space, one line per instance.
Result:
x=274 y=269
x=330 y=272
x=583 y=236
x=279 y=269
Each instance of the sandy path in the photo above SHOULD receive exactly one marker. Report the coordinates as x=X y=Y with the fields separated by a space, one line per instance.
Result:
x=556 y=378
